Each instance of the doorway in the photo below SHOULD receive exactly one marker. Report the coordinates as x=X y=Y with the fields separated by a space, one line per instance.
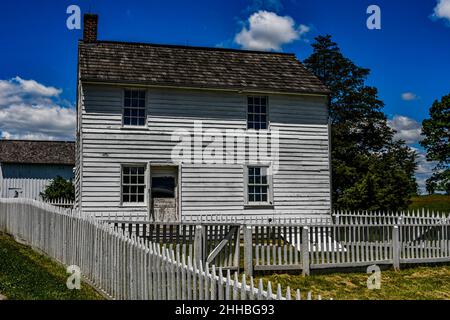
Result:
x=164 y=193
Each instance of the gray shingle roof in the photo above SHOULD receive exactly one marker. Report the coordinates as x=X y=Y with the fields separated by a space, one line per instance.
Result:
x=37 y=152
x=195 y=67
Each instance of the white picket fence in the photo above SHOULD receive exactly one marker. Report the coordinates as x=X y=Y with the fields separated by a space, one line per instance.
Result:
x=123 y=266
x=61 y=202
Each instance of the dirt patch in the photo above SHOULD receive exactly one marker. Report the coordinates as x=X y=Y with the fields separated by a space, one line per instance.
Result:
x=2 y=297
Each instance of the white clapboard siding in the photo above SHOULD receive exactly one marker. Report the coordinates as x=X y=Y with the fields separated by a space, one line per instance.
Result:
x=29 y=187
x=301 y=186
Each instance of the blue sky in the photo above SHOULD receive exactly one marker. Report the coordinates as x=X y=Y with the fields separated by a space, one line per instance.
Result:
x=409 y=57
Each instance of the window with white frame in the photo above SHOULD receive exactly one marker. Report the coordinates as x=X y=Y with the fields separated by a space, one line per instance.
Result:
x=133 y=184
x=258 y=185
x=134 y=108
x=257 y=112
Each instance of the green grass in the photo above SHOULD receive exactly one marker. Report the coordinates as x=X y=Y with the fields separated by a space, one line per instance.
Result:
x=422 y=283
x=28 y=275
x=435 y=202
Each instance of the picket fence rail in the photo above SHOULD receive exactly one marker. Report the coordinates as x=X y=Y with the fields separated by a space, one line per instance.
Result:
x=342 y=241
x=123 y=265
x=61 y=202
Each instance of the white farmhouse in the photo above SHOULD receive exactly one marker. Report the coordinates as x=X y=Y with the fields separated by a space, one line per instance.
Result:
x=166 y=132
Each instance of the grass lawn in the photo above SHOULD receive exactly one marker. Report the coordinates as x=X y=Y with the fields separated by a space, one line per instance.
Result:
x=28 y=275
x=434 y=202
x=420 y=283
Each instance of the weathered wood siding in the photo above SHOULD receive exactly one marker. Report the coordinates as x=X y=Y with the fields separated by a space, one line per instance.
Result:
x=301 y=187
x=29 y=179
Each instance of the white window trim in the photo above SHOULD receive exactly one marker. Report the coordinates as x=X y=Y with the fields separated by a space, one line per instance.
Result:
x=134 y=204
x=258 y=205
x=267 y=112
x=137 y=127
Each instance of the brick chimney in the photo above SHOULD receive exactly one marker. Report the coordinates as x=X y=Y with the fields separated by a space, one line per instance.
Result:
x=90 y=22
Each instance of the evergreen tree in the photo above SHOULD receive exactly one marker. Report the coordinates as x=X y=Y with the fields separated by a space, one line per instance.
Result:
x=437 y=133
x=370 y=171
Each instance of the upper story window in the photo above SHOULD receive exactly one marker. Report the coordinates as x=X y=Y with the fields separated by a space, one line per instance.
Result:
x=257 y=112
x=133 y=184
x=134 y=108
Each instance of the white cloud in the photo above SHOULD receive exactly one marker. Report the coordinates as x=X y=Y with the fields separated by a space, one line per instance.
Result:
x=407 y=129
x=442 y=10
x=409 y=96
x=31 y=110
x=269 y=31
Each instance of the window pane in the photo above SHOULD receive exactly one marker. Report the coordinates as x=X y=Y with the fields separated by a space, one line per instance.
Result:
x=263 y=179
x=264 y=190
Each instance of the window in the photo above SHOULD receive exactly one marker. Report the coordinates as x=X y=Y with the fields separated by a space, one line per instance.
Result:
x=258 y=185
x=257 y=113
x=134 y=111
x=133 y=184
x=163 y=187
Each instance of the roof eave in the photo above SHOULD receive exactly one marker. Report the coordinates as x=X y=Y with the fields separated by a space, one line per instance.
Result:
x=321 y=93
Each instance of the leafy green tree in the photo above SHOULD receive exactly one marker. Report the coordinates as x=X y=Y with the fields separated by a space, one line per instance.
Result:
x=437 y=133
x=59 y=188
x=370 y=171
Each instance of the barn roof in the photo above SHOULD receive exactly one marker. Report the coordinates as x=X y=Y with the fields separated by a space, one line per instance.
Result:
x=195 y=67
x=37 y=152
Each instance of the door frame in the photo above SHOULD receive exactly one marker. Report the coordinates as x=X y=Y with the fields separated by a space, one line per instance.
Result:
x=151 y=164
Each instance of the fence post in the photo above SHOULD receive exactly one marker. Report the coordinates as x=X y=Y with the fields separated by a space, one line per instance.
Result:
x=305 y=251
x=198 y=243
x=248 y=251
x=396 y=247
